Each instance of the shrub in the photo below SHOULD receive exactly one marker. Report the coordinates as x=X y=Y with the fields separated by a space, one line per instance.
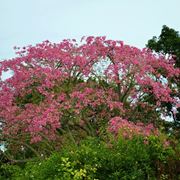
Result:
x=118 y=158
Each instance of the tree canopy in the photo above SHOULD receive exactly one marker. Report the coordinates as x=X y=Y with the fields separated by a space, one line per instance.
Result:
x=56 y=84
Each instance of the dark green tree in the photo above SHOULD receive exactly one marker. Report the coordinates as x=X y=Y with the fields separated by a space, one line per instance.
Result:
x=168 y=44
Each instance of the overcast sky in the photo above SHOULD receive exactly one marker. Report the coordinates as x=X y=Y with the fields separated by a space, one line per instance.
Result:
x=24 y=22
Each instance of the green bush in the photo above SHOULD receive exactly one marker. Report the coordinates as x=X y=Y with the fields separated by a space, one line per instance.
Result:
x=94 y=159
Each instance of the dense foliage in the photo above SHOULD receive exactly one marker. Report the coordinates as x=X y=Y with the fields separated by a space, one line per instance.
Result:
x=93 y=158
x=168 y=43
x=60 y=94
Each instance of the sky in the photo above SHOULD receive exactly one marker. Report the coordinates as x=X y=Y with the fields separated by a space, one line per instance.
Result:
x=25 y=22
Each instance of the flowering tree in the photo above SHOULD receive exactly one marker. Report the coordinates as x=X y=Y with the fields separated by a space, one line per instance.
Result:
x=65 y=86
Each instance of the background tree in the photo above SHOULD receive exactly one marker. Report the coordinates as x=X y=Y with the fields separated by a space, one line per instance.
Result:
x=168 y=44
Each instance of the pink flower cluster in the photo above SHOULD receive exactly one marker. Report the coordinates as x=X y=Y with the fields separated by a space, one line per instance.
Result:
x=35 y=99
x=129 y=129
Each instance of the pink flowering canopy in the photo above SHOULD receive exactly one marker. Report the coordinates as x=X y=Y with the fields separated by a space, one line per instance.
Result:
x=129 y=129
x=60 y=85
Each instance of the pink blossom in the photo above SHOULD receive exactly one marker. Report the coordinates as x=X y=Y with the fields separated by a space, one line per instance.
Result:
x=46 y=85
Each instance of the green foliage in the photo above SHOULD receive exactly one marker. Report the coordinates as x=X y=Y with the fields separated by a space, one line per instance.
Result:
x=96 y=159
x=34 y=97
x=8 y=171
x=167 y=43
